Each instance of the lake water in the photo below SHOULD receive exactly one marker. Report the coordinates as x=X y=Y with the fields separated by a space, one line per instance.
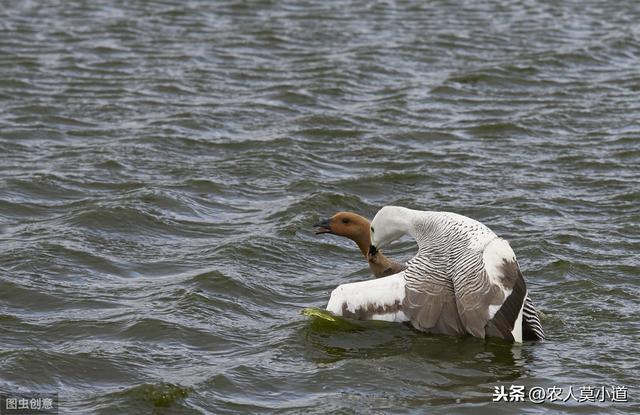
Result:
x=162 y=164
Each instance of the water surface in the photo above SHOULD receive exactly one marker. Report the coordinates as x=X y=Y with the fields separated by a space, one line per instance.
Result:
x=161 y=165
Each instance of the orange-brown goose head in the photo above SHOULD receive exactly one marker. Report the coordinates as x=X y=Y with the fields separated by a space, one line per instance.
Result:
x=357 y=228
x=350 y=225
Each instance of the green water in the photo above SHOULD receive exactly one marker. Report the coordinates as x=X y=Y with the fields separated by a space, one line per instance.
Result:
x=162 y=164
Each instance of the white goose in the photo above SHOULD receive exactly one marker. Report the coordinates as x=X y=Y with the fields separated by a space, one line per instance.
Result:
x=464 y=279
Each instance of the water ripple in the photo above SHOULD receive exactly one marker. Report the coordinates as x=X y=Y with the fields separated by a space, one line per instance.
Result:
x=162 y=164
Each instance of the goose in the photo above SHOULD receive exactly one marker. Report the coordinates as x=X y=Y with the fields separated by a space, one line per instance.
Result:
x=356 y=227
x=464 y=279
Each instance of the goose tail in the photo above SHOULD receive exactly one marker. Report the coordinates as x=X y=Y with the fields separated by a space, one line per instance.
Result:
x=531 y=326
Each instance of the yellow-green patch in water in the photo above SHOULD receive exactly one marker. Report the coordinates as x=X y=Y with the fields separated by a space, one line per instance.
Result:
x=162 y=394
x=325 y=320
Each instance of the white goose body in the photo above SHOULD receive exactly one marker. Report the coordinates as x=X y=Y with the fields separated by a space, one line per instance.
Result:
x=463 y=280
x=379 y=299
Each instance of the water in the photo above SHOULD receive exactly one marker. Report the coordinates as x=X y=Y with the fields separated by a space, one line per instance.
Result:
x=162 y=163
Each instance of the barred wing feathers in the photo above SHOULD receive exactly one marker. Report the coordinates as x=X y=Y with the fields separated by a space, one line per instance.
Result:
x=463 y=279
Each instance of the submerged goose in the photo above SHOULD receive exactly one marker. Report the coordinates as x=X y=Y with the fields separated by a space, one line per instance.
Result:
x=464 y=279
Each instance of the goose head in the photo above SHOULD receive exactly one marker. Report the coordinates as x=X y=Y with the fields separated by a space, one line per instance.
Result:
x=348 y=224
x=389 y=224
x=356 y=228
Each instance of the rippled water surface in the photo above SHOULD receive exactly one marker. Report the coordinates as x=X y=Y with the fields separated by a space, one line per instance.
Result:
x=162 y=163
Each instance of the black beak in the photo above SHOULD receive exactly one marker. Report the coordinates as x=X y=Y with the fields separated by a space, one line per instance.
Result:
x=372 y=250
x=324 y=226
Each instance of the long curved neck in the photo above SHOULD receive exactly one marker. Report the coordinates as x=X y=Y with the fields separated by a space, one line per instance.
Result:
x=396 y=222
x=411 y=216
x=363 y=240
x=380 y=265
x=405 y=221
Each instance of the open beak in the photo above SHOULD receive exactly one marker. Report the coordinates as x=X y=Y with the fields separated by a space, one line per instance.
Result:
x=324 y=226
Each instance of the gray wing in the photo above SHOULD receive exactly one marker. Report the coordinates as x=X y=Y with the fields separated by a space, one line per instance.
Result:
x=430 y=300
x=490 y=290
x=464 y=279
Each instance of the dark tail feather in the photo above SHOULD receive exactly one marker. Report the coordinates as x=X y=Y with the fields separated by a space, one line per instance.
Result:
x=502 y=322
x=531 y=327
